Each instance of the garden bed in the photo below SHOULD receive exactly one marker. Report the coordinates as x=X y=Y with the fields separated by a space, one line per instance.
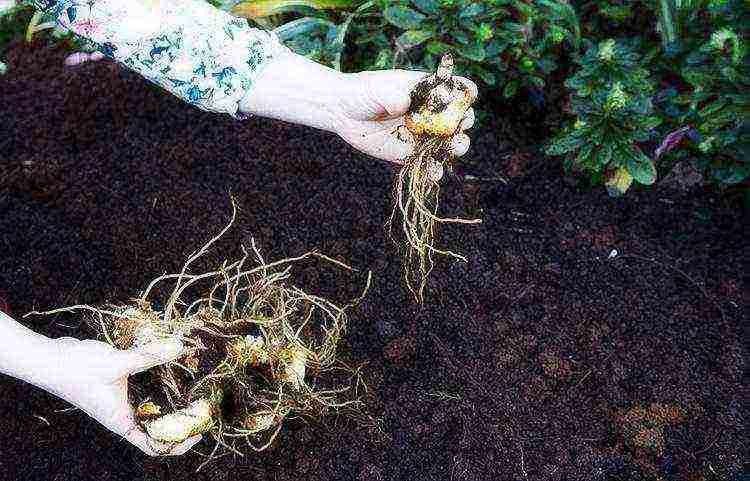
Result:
x=586 y=335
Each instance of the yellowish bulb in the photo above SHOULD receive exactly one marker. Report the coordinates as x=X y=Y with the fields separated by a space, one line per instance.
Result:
x=425 y=122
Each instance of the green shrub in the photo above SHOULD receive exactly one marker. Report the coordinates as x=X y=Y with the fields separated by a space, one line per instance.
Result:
x=704 y=69
x=613 y=109
x=504 y=44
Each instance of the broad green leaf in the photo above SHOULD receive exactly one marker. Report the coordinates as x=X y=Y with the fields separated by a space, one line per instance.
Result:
x=430 y=7
x=538 y=81
x=265 y=8
x=565 y=144
x=651 y=123
x=514 y=28
x=412 y=38
x=460 y=37
x=301 y=26
x=605 y=154
x=486 y=76
x=384 y=59
x=639 y=166
x=404 y=17
x=438 y=48
x=472 y=10
x=473 y=52
x=495 y=48
x=510 y=89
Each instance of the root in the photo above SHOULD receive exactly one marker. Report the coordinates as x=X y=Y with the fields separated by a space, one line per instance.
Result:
x=433 y=119
x=260 y=349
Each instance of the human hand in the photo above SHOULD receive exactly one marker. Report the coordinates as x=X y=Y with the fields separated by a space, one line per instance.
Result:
x=365 y=108
x=93 y=376
x=79 y=58
x=373 y=109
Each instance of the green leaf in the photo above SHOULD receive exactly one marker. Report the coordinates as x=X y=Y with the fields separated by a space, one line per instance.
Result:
x=605 y=154
x=430 y=7
x=486 y=76
x=301 y=26
x=412 y=38
x=384 y=59
x=667 y=21
x=584 y=155
x=511 y=88
x=639 y=166
x=472 y=10
x=265 y=8
x=460 y=37
x=514 y=28
x=404 y=17
x=495 y=48
x=438 y=48
x=712 y=108
x=564 y=144
x=473 y=52
x=538 y=81
x=650 y=123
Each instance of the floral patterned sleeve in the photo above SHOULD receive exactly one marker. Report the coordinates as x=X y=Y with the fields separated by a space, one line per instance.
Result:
x=199 y=53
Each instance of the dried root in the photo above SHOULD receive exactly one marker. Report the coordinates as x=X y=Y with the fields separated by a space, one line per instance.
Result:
x=258 y=351
x=438 y=106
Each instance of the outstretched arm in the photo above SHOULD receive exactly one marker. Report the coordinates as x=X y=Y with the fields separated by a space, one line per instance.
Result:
x=89 y=374
x=217 y=62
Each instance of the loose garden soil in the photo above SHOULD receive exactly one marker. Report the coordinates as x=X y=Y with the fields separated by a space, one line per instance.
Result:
x=588 y=338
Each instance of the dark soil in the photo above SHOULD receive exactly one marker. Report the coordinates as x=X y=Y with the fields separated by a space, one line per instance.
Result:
x=536 y=361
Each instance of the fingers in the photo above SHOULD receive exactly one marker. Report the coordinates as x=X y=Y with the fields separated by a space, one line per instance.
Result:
x=185 y=446
x=151 y=447
x=468 y=121
x=390 y=147
x=459 y=145
x=82 y=57
x=154 y=354
x=140 y=440
x=461 y=142
x=473 y=89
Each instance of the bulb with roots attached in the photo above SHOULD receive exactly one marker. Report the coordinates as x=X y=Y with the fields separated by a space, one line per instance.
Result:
x=439 y=103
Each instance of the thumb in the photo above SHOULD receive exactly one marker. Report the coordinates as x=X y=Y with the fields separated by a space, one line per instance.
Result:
x=386 y=94
x=151 y=355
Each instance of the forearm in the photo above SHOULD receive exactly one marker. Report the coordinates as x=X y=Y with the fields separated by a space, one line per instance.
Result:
x=27 y=355
x=295 y=89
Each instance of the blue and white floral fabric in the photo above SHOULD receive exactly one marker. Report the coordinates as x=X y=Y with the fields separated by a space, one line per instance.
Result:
x=199 y=53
